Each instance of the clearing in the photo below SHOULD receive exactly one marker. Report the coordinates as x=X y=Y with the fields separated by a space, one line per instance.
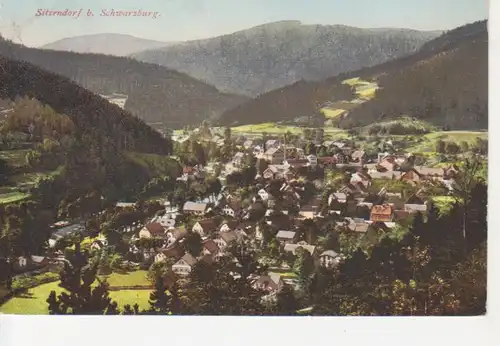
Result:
x=33 y=302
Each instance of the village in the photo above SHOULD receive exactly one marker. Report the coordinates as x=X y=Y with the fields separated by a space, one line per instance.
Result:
x=277 y=201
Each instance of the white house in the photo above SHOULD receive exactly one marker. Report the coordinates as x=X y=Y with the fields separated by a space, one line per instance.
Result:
x=329 y=259
x=224 y=239
x=264 y=195
x=238 y=159
x=166 y=221
x=184 y=265
x=285 y=237
x=205 y=227
x=313 y=160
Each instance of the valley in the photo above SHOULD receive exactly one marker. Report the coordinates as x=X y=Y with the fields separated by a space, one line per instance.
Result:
x=195 y=178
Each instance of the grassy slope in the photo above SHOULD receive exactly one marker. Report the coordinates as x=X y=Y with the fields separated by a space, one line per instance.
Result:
x=430 y=139
x=34 y=301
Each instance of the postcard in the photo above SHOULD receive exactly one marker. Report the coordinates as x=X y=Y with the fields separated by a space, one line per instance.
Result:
x=243 y=158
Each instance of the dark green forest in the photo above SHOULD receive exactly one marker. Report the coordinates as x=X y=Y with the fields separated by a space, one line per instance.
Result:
x=444 y=83
x=155 y=93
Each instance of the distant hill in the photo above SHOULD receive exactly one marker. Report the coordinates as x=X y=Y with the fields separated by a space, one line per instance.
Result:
x=155 y=94
x=109 y=44
x=444 y=83
x=270 y=56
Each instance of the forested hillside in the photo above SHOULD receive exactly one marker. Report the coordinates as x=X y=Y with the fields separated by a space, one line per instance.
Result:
x=155 y=93
x=271 y=56
x=444 y=83
x=74 y=132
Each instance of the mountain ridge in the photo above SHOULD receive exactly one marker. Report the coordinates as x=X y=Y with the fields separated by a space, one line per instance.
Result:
x=105 y=43
x=272 y=55
x=155 y=93
x=467 y=43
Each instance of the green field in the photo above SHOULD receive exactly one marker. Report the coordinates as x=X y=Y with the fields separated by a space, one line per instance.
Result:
x=273 y=128
x=267 y=128
x=138 y=277
x=332 y=113
x=351 y=81
x=15 y=158
x=34 y=300
x=430 y=139
x=11 y=197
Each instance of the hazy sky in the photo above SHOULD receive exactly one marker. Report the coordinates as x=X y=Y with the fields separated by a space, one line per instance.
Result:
x=193 y=19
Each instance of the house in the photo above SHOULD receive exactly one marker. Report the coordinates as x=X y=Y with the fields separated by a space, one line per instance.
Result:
x=176 y=234
x=238 y=159
x=296 y=163
x=277 y=172
x=385 y=175
x=388 y=163
x=210 y=248
x=285 y=237
x=31 y=263
x=225 y=238
x=248 y=143
x=327 y=161
x=313 y=160
x=353 y=225
x=361 y=177
x=358 y=156
x=173 y=251
x=195 y=208
x=294 y=247
x=166 y=221
x=412 y=176
x=228 y=226
x=428 y=173
x=184 y=265
x=232 y=208
x=395 y=200
x=337 y=196
x=271 y=283
x=451 y=172
x=274 y=155
x=272 y=143
x=125 y=205
x=329 y=259
x=356 y=189
x=381 y=213
x=152 y=230
x=309 y=211
x=205 y=227
x=413 y=208
x=340 y=158
x=263 y=194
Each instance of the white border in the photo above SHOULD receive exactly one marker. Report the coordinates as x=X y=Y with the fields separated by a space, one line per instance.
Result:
x=125 y=330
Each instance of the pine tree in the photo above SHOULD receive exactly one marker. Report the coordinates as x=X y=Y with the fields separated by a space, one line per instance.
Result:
x=79 y=297
x=159 y=301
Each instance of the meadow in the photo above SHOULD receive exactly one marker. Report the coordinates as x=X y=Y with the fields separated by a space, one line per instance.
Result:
x=33 y=301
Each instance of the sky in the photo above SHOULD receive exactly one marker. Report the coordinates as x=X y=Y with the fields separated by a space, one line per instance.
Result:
x=181 y=20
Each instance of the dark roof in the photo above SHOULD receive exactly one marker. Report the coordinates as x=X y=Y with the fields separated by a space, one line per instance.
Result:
x=155 y=228
x=211 y=246
x=401 y=214
x=189 y=259
x=208 y=224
